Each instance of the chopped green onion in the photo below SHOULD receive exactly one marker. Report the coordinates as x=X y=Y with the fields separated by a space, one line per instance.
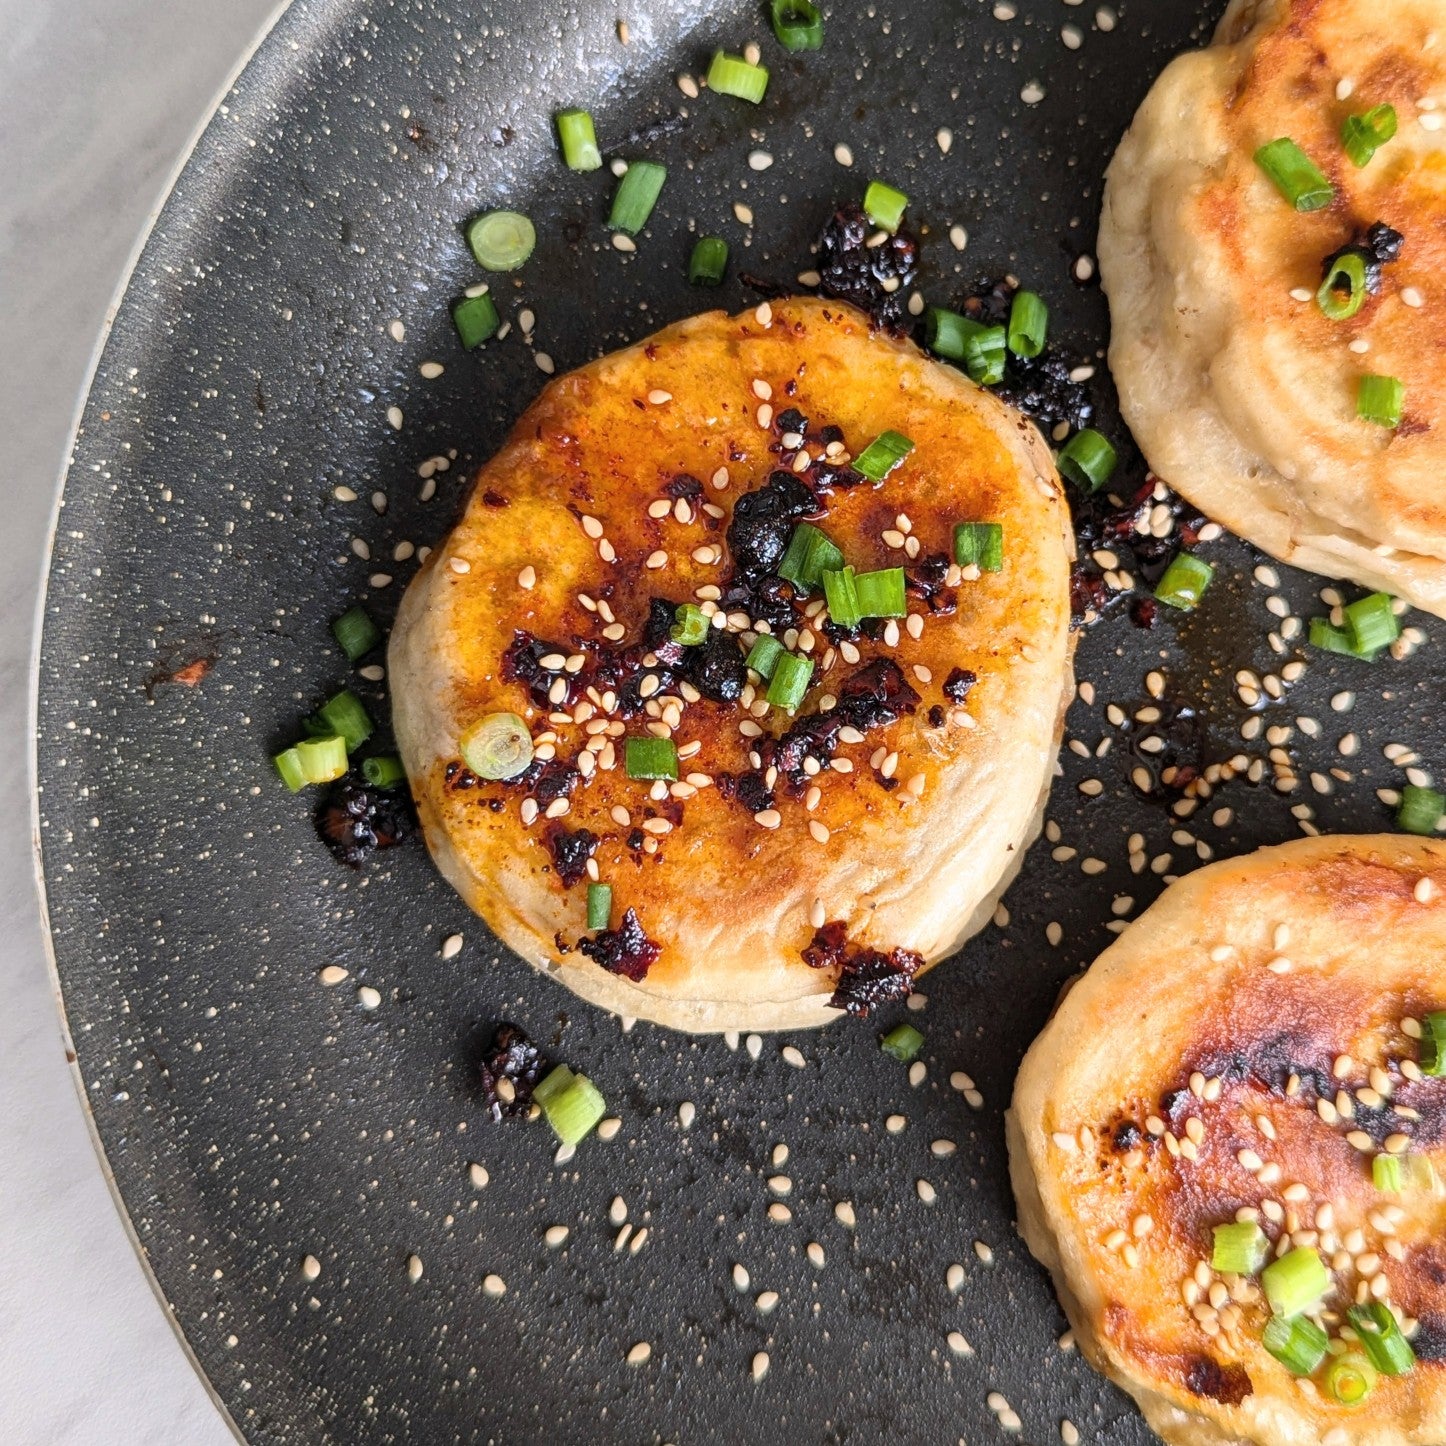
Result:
x=1087 y=459
x=881 y=593
x=810 y=554
x=322 y=759
x=1240 y=1248
x=1325 y=635
x=984 y=355
x=691 y=625
x=1364 y=135
x=791 y=675
x=1349 y=1379
x=356 y=633
x=1433 y=1045
x=497 y=746
x=288 y=765
x=636 y=195
x=1295 y=1282
x=979 y=544
x=1379 y=400
x=652 y=758
x=1372 y=623
x=842 y=597
x=884 y=206
x=501 y=240
x=552 y=1084
x=1396 y=1174
x=948 y=334
x=579 y=140
x=708 y=262
x=573 y=1110
x=383 y=772
x=1184 y=581
x=732 y=75
x=1028 y=324
x=903 y=1041
x=1298 y=1343
x=599 y=905
x=1296 y=176
x=476 y=320
x=1380 y=1336
x=344 y=714
x=763 y=656
x=797 y=24
x=882 y=455
x=1343 y=292
x=1420 y=810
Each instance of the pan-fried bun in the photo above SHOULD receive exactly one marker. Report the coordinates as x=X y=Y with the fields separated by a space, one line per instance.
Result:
x=897 y=803
x=1244 y=1052
x=1240 y=391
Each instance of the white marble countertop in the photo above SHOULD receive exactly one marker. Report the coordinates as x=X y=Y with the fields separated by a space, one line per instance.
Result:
x=98 y=101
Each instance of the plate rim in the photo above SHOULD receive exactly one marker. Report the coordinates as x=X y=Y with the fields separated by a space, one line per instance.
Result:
x=164 y=192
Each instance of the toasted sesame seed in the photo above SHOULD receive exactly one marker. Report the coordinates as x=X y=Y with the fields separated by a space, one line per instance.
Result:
x=985 y=1254
x=759 y=1367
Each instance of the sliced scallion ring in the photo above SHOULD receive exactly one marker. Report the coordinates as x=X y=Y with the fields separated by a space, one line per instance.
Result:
x=501 y=240
x=497 y=746
x=636 y=195
x=383 y=772
x=1379 y=1333
x=1296 y=176
x=732 y=75
x=1028 y=324
x=1349 y=1379
x=1297 y=1342
x=791 y=674
x=797 y=24
x=1420 y=809
x=1343 y=292
x=1363 y=135
x=884 y=205
x=1380 y=400
x=578 y=139
x=708 y=262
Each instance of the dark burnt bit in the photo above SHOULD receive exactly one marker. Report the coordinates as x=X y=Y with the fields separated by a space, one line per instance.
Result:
x=1429 y=1342
x=354 y=819
x=522 y=663
x=790 y=422
x=958 y=684
x=762 y=523
x=1127 y=1136
x=554 y=779
x=716 y=667
x=851 y=270
x=1186 y=754
x=1206 y=1377
x=626 y=950
x=873 y=697
x=1115 y=521
x=870 y=979
x=867 y=978
x=927 y=580
x=571 y=849
x=936 y=716
x=765 y=286
x=495 y=499
x=512 y=1057
x=1377 y=246
x=752 y=792
x=1040 y=387
x=685 y=486
x=769 y=600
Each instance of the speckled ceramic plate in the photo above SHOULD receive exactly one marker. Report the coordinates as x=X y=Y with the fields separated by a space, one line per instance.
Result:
x=253 y=1116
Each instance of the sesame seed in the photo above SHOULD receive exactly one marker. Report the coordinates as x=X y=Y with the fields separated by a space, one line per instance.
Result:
x=394 y=418
x=743 y=213
x=779 y=1214
x=639 y=1353
x=310 y=1267
x=958 y=237
x=793 y=1056
x=760 y=1365
x=622 y=242
x=843 y=155
x=1410 y=294
x=985 y=1254
x=494 y=1286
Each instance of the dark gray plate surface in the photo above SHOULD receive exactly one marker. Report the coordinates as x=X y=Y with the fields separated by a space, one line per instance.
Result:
x=253 y=1116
